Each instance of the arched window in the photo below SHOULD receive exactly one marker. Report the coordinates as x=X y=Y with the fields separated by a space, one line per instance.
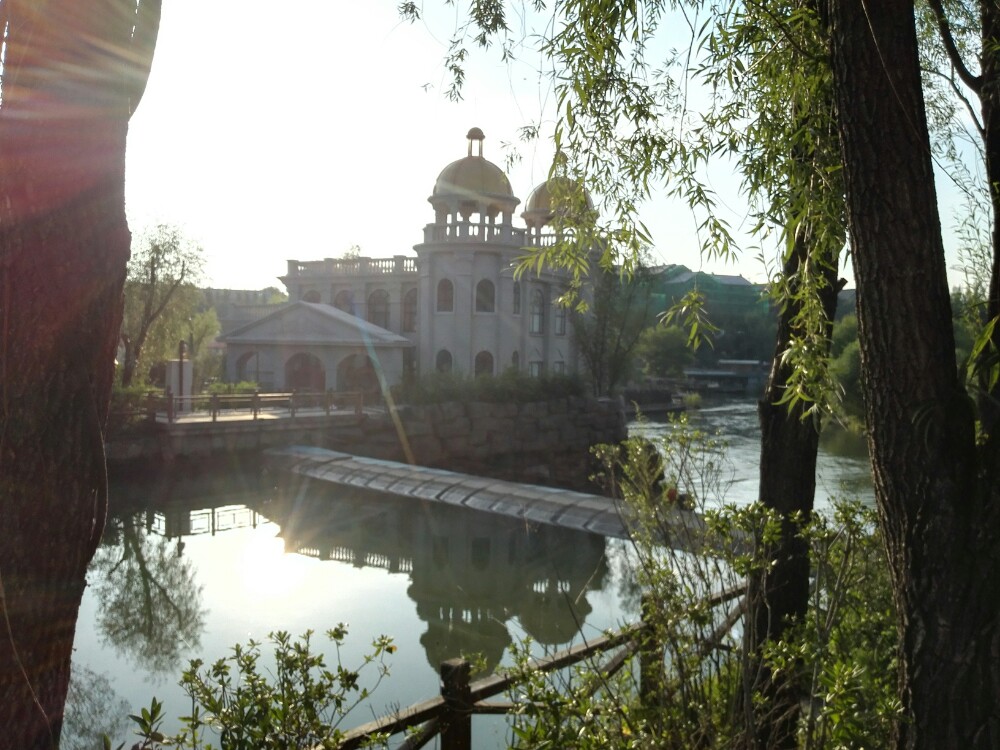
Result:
x=559 y=320
x=485 y=297
x=445 y=296
x=517 y=297
x=484 y=364
x=378 y=308
x=410 y=311
x=344 y=301
x=311 y=296
x=536 y=324
x=443 y=361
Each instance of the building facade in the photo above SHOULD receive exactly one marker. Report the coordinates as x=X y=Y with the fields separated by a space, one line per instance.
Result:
x=458 y=302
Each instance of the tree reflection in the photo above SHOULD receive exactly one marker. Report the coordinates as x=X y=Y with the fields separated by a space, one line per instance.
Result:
x=150 y=605
x=93 y=709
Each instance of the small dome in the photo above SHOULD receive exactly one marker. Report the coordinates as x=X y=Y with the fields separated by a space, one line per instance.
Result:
x=473 y=178
x=561 y=195
x=569 y=191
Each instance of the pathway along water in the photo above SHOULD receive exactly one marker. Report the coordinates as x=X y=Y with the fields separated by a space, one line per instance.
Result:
x=192 y=563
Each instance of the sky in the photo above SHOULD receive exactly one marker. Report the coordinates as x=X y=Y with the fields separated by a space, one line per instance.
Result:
x=296 y=135
x=268 y=136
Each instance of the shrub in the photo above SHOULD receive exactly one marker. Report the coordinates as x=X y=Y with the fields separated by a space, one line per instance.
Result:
x=842 y=656
x=234 y=703
x=439 y=387
x=228 y=389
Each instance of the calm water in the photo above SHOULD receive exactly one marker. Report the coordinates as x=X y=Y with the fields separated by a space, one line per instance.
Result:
x=194 y=562
x=440 y=581
x=842 y=466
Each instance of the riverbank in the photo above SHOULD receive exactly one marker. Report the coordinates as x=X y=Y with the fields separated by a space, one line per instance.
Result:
x=541 y=442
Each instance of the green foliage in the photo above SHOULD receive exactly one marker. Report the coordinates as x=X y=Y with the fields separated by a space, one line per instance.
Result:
x=236 y=704
x=664 y=351
x=846 y=370
x=845 y=331
x=608 y=334
x=511 y=386
x=842 y=657
x=161 y=299
x=228 y=389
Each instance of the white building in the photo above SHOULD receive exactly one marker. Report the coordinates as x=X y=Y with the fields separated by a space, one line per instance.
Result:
x=455 y=307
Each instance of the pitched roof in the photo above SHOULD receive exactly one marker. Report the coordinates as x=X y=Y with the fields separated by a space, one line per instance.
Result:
x=309 y=323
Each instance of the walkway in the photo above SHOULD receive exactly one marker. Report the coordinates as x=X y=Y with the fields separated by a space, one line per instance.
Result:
x=574 y=510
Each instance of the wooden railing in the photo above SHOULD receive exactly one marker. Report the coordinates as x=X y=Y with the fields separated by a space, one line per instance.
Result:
x=449 y=715
x=253 y=404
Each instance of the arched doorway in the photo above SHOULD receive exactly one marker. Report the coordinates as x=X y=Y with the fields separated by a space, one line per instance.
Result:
x=248 y=367
x=443 y=361
x=304 y=372
x=357 y=373
x=484 y=364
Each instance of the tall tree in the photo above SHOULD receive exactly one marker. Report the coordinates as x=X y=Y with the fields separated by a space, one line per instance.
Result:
x=607 y=334
x=73 y=72
x=937 y=487
x=164 y=265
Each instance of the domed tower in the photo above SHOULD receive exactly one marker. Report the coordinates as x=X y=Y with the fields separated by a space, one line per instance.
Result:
x=469 y=304
x=559 y=203
x=472 y=199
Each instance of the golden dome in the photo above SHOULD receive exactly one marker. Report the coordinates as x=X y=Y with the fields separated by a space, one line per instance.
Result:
x=560 y=196
x=562 y=189
x=473 y=177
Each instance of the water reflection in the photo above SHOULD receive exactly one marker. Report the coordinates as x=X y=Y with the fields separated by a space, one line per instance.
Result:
x=195 y=561
x=471 y=574
x=150 y=604
x=93 y=709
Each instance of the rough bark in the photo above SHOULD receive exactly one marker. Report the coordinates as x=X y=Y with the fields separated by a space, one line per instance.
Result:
x=789 y=447
x=989 y=97
x=937 y=499
x=73 y=73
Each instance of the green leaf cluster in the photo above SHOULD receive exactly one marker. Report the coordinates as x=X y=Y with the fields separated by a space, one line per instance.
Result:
x=237 y=704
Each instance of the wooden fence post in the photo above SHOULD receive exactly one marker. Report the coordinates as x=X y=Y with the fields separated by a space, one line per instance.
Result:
x=255 y=402
x=457 y=733
x=215 y=406
x=651 y=677
x=150 y=407
x=170 y=405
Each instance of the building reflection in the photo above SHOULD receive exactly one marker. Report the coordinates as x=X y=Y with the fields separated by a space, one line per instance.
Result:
x=474 y=577
x=472 y=574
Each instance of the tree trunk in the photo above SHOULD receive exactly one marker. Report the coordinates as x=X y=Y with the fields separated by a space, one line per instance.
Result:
x=69 y=85
x=989 y=96
x=778 y=599
x=937 y=505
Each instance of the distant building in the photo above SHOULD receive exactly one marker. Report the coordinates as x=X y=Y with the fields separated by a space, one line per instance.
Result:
x=725 y=295
x=455 y=307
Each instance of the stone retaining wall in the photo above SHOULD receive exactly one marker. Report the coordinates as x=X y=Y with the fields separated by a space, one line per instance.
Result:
x=543 y=442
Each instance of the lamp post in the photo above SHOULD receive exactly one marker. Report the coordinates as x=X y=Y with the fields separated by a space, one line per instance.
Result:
x=180 y=374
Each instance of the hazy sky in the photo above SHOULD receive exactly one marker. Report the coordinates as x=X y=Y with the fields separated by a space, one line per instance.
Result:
x=296 y=134
x=270 y=135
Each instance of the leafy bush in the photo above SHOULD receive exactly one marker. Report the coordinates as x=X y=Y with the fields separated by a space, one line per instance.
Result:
x=439 y=387
x=228 y=389
x=235 y=704
x=128 y=408
x=694 y=694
